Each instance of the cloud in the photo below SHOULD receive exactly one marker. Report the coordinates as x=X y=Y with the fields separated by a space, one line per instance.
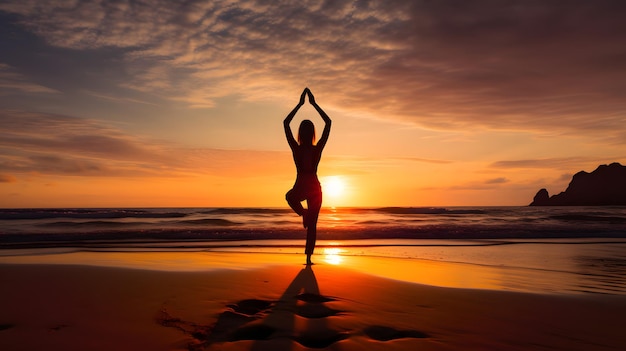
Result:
x=50 y=144
x=7 y=178
x=472 y=187
x=488 y=184
x=449 y=64
x=360 y=165
x=422 y=160
x=14 y=82
x=44 y=143
x=30 y=131
x=554 y=163
x=117 y=98
x=499 y=180
x=565 y=177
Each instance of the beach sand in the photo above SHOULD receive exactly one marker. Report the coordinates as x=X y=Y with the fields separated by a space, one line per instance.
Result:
x=286 y=307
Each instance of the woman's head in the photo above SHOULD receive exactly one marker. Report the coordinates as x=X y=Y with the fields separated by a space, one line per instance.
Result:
x=306 y=133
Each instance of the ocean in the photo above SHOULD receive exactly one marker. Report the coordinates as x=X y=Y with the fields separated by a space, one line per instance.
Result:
x=537 y=249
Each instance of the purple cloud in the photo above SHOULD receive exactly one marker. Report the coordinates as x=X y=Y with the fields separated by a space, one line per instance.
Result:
x=516 y=65
x=12 y=82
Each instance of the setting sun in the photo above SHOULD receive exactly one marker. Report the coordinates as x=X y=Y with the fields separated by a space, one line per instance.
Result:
x=334 y=186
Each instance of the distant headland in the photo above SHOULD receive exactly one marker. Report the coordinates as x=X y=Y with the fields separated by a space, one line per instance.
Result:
x=606 y=186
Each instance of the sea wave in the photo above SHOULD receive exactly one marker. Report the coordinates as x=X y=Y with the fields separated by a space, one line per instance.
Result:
x=52 y=226
x=220 y=222
x=427 y=210
x=589 y=218
x=20 y=214
x=91 y=225
x=246 y=210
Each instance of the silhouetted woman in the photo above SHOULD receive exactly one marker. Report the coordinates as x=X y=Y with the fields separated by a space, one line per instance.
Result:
x=307 y=155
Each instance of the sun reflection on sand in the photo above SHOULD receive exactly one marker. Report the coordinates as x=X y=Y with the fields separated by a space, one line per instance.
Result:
x=332 y=255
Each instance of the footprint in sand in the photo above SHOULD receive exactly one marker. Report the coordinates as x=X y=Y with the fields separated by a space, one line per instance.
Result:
x=6 y=326
x=56 y=328
x=251 y=307
x=236 y=323
x=313 y=306
x=320 y=340
x=383 y=333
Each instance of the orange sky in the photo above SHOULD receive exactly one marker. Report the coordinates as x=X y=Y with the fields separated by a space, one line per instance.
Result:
x=120 y=104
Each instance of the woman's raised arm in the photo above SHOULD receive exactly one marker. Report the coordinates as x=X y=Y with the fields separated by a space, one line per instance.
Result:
x=327 y=122
x=290 y=139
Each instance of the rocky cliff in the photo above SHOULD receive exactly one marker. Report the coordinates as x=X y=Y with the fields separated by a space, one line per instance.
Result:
x=603 y=187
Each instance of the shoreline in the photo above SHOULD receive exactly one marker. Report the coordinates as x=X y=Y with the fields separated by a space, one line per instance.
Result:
x=286 y=307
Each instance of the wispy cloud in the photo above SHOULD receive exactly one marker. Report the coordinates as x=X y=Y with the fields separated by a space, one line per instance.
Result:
x=360 y=165
x=517 y=65
x=422 y=160
x=117 y=98
x=39 y=143
x=13 y=82
x=499 y=180
x=7 y=178
x=553 y=163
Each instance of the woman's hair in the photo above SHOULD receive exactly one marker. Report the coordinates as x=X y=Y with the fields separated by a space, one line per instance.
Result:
x=306 y=132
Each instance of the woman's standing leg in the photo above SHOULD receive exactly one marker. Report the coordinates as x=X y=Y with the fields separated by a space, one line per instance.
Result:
x=314 y=204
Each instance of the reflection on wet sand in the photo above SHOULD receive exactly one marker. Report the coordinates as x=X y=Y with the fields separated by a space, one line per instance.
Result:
x=540 y=267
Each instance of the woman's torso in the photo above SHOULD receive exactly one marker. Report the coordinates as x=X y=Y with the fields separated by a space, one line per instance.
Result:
x=306 y=158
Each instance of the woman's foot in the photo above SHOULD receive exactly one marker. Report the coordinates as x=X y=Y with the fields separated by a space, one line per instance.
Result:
x=308 y=260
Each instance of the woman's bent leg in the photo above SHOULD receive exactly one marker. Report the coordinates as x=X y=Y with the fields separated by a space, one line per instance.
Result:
x=294 y=202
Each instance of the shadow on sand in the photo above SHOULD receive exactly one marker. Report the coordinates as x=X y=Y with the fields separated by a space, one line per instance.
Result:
x=301 y=315
x=301 y=300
